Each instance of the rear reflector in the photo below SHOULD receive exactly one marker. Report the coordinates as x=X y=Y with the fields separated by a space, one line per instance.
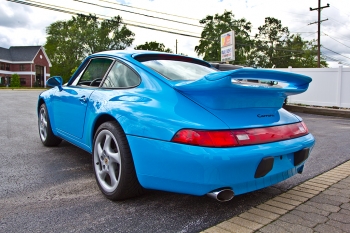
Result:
x=232 y=138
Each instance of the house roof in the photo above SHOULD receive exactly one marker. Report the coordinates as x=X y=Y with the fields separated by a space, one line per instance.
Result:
x=5 y=54
x=22 y=53
x=19 y=53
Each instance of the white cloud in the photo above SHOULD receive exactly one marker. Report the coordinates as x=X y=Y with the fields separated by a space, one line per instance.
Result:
x=25 y=25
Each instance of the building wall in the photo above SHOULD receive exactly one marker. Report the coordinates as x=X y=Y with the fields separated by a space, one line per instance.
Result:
x=40 y=60
x=25 y=80
x=20 y=67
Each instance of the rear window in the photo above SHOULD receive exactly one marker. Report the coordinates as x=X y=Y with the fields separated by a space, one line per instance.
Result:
x=177 y=68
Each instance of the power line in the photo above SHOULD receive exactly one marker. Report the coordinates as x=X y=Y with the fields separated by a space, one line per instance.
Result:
x=75 y=13
x=310 y=35
x=335 y=20
x=336 y=40
x=151 y=16
x=335 y=52
x=291 y=55
x=132 y=22
x=341 y=38
x=179 y=16
x=335 y=59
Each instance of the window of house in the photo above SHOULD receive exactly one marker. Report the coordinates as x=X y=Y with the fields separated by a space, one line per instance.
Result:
x=23 y=81
x=22 y=67
x=2 y=66
x=7 y=66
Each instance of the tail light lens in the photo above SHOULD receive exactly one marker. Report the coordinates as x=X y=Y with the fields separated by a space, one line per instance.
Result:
x=232 y=138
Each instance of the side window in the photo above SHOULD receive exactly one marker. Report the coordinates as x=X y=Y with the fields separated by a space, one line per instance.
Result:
x=121 y=76
x=94 y=73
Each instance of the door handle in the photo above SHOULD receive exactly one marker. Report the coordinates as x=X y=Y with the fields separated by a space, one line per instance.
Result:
x=83 y=99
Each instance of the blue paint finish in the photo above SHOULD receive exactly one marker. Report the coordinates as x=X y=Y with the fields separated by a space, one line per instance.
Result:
x=254 y=117
x=69 y=108
x=197 y=170
x=219 y=90
x=151 y=113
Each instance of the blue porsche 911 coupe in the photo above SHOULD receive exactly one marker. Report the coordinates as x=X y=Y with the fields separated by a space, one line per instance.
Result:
x=163 y=121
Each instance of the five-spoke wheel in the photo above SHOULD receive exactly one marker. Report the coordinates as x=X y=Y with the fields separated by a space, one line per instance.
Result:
x=107 y=160
x=43 y=124
x=46 y=135
x=113 y=164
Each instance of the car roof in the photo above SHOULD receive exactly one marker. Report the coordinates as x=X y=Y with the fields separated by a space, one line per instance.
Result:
x=132 y=54
x=127 y=53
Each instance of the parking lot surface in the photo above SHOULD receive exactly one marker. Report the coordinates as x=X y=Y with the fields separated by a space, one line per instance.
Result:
x=53 y=189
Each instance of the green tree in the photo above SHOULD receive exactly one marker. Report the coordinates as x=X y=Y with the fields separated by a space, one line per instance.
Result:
x=276 y=47
x=209 y=44
x=15 y=81
x=303 y=53
x=270 y=44
x=154 y=46
x=69 y=42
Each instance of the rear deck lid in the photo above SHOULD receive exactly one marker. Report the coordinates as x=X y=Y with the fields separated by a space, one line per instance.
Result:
x=228 y=90
x=242 y=104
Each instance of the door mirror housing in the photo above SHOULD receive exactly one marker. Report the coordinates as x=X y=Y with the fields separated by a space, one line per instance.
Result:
x=55 y=81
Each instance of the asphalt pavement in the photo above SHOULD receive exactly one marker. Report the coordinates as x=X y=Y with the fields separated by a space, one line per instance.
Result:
x=53 y=189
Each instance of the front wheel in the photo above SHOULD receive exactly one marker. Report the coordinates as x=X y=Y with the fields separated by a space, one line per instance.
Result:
x=113 y=164
x=45 y=131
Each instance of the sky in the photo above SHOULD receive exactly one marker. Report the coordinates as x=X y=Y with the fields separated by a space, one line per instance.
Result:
x=23 y=25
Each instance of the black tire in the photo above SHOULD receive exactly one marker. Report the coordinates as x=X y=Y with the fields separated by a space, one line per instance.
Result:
x=45 y=132
x=113 y=164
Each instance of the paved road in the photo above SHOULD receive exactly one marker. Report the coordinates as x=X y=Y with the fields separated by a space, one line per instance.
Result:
x=53 y=189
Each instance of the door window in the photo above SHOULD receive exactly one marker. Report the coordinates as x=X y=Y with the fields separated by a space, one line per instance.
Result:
x=94 y=73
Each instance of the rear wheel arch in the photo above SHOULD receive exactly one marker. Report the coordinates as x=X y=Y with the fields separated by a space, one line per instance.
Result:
x=127 y=181
x=100 y=120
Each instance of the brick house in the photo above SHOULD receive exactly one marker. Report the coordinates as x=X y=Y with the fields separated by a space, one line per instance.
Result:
x=29 y=62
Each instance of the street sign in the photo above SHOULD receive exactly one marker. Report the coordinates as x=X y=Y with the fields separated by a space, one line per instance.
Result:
x=228 y=46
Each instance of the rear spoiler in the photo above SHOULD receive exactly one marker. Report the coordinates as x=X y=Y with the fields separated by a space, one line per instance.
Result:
x=223 y=90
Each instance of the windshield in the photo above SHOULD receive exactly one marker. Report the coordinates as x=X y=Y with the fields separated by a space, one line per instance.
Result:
x=178 y=70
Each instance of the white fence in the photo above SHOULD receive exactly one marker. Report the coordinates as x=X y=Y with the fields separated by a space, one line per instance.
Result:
x=329 y=87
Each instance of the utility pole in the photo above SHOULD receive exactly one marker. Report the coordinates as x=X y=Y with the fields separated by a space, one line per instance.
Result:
x=319 y=8
x=176 y=47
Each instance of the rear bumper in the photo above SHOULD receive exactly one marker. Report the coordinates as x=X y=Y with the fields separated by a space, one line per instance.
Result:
x=197 y=170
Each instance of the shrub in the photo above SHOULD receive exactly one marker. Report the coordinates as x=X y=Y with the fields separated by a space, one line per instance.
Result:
x=15 y=81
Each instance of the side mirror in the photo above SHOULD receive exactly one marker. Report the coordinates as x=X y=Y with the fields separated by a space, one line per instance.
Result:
x=55 y=81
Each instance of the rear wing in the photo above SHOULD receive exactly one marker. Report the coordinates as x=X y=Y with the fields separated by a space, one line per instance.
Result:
x=225 y=90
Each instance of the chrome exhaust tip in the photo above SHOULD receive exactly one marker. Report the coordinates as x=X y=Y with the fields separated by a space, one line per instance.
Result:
x=222 y=195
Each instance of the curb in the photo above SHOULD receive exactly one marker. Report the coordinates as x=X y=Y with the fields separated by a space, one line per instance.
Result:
x=271 y=210
x=318 y=111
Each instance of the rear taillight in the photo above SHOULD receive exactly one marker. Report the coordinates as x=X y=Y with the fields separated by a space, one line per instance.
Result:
x=232 y=138
x=205 y=138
